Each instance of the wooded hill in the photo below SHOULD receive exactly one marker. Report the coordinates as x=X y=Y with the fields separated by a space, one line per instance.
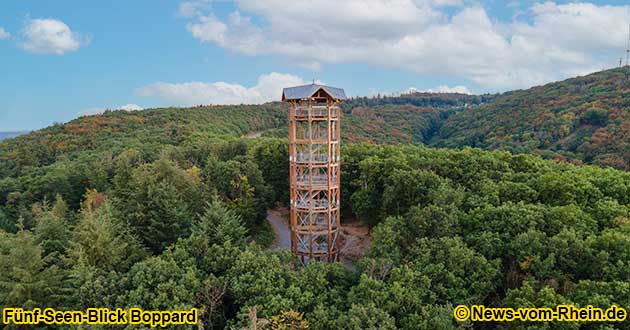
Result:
x=113 y=131
x=585 y=119
x=581 y=120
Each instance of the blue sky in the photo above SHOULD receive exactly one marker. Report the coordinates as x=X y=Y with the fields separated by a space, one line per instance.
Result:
x=60 y=59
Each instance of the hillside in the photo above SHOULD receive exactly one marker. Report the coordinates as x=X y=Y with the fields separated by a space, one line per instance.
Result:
x=585 y=119
x=165 y=209
x=420 y=99
x=393 y=123
x=114 y=131
x=377 y=120
x=407 y=118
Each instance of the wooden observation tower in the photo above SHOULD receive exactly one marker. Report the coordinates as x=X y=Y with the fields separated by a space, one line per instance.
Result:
x=314 y=135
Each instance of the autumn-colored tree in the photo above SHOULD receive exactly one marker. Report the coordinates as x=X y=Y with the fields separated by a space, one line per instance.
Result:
x=289 y=320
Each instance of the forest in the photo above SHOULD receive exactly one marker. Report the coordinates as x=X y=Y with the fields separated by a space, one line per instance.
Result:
x=165 y=209
x=583 y=120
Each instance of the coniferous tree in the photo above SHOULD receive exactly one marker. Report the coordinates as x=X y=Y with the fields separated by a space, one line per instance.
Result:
x=26 y=278
x=5 y=224
x=166 y=217
x=101 y=240
x=219 y=225
x=51 y=229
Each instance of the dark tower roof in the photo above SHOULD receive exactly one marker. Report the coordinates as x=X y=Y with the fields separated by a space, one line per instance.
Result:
x=307 y=91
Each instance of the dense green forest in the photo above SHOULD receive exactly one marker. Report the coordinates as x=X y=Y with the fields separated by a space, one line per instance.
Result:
x=585 y=119
x=165 y=209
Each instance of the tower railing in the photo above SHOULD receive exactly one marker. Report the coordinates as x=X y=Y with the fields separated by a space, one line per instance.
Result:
x=318 y=111
x=309 y=158
x=316 y=180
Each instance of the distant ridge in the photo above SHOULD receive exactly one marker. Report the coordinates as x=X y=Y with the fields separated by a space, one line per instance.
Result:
x=583 y=119
x=7 y=135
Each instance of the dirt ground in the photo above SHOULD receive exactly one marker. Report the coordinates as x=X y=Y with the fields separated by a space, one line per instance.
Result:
x=252 y=135
x=355 y=237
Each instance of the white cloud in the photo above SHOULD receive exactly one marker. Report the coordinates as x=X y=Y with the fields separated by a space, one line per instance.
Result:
x=192 y=8
x=130 y=107
x=439 y=89
x=442 y=89
x=311 y=65
x=268 y=88
x=446 y=3
x=96 y=111
x=556 y=40
x=208 y=29
x=91 y=111
x=4 y=34
x=50 y=36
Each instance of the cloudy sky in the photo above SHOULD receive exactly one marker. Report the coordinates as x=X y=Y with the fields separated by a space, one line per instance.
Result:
x=62 y=59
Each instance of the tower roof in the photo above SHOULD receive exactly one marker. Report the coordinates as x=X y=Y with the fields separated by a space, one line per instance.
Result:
x=306 y=91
